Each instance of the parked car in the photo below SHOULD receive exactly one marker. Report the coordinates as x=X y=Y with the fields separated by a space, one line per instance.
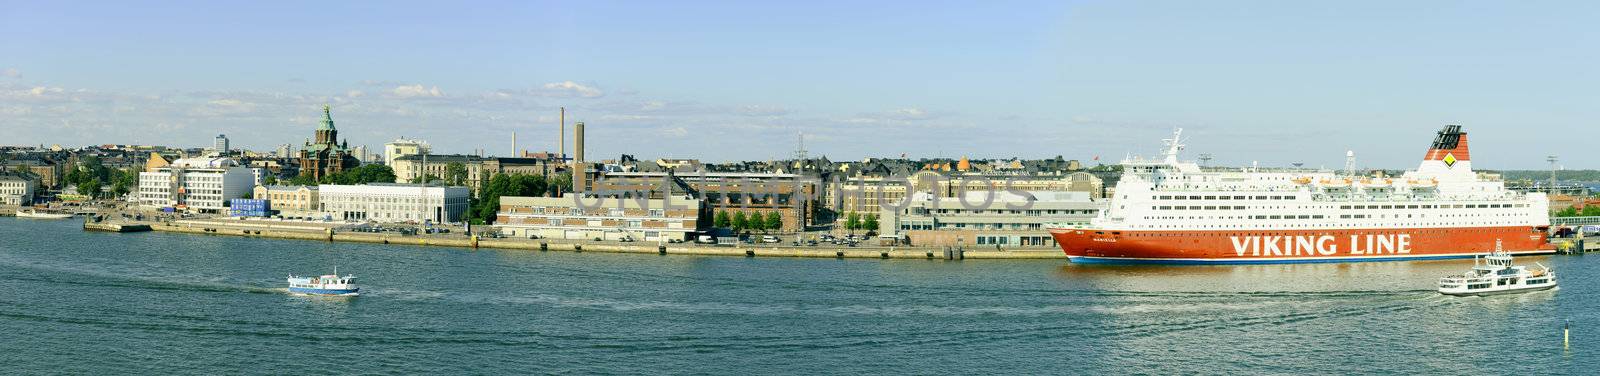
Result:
x=705 y=239
x=770 y=239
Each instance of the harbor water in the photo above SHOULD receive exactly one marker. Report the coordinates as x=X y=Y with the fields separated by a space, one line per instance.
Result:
x=78 y=302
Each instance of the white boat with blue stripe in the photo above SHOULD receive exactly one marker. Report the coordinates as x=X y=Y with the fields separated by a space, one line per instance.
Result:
x=331 y=284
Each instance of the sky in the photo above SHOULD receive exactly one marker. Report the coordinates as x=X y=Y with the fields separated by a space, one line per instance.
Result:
x=1248 y=81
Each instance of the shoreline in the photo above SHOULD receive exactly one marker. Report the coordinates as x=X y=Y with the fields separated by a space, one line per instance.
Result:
x=267 y=230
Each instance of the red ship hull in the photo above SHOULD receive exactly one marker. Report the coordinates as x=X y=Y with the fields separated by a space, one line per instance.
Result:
x=1294 y=246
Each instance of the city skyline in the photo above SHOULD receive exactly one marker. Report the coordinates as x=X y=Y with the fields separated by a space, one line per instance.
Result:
x=1271 y=83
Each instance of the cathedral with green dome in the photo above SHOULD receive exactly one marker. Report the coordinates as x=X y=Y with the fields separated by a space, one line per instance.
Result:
x=327 y=155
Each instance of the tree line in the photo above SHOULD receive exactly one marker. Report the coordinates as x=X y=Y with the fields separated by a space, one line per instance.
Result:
x=739 y=221
x=90 y=176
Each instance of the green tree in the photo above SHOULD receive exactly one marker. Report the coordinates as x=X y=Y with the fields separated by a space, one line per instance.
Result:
x=561 y=184
x=852 y=221
x=722 y=220
x=304 y=178
x=89 y=187
x=774 y=221
x=488 y=203
x=740 y=222
x=270 y=180
x=871 y=222
x=121 y=182
x=365 y=174
x=455 y=173
x=1568 y=212
x=429 y=178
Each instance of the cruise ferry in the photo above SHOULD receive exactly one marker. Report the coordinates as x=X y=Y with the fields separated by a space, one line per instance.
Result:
x=1168 y=211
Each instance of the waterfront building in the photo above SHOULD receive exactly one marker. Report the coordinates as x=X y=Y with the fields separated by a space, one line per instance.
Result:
x=793 y=197
x=16 y=188
x=525 y=166
x=402 y=147
x=667 y=219
x=220 y=145
x=868 y=195
x=291 y=200
x=986 y=219
x=195 y=184
x=47 y=171
x=409 y=167
x=390 y=202
x=327 y=155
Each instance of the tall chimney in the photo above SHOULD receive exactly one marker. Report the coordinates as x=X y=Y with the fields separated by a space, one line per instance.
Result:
x=577 y=141
x=563 y=148
x=514 y=144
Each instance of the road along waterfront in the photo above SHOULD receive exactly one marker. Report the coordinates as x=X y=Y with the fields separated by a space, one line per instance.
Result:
x=94 y=303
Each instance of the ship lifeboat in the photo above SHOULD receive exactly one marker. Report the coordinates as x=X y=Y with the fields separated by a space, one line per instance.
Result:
x=1335 y=183
x=1303 y=180
x=1430 y=183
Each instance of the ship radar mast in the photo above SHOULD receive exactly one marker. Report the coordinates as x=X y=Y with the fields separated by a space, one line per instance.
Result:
x=1174 y=145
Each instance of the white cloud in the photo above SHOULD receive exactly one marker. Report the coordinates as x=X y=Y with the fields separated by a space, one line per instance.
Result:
x=11 y=72
x=760 y=110
x=909 y=114
x=675 y=132
x=39 y=91
x=574 y=89
x=354 y=94
x=653 y=105
x=416 y=91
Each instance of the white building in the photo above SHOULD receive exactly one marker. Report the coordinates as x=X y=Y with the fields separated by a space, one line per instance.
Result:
x=387 y=202
x=403 y=147
x=611 y=219
x=16 y=189
x=196 y=184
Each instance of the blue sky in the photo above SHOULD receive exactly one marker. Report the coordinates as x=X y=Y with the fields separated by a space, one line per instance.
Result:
x=1275 y=82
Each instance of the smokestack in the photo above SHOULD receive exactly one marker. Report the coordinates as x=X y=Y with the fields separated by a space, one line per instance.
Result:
x=577 y=141
x=514 y=144
x=563 y=148
x=580 y=173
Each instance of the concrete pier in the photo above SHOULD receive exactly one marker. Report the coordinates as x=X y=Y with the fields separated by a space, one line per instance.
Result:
x=325 y=233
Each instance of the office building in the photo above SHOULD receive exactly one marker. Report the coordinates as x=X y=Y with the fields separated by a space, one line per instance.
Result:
x=389 y=202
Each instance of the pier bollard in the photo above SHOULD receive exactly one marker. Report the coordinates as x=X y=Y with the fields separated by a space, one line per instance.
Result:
x=930 y=255
x=661 y=249
x=577 y=247
x=838 y=254
x=883 y=254
x=749 y=253
x=544 y=246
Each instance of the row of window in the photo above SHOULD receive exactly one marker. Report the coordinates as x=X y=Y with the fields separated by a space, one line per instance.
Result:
x=1455 y=206
x=1225 y=197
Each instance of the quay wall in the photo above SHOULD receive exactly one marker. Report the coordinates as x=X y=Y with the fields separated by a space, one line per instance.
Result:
x=326 y=235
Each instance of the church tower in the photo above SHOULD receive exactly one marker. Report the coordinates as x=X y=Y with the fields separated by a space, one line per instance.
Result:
x=326 y=134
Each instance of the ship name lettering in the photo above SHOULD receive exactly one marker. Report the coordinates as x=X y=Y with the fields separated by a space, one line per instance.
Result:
x=1302 y=245
x=1374 y=244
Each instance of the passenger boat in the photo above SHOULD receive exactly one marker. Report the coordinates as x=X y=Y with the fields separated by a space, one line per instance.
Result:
x=1494 y=274
x=330 y=284
x=35 y=214
x=1168 y=211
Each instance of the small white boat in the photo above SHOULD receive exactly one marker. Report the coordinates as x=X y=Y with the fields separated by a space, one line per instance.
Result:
x=1494 y=274
x=331 y=284
x=35 y=214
